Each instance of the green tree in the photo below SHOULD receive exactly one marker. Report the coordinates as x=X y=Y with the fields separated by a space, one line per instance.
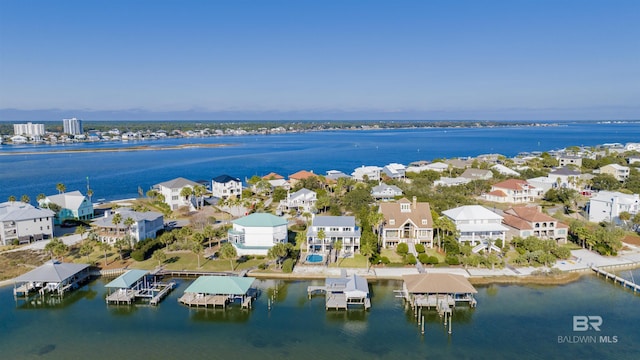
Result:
x=228 y=251
x=40 y=197
x=53 y=245
x=278 y=252
x=129 y=222
x=12 y=198
x=80 y=230
x=105 y=247
x=199 y=192
x=116 y=220
x=196 y=248
x=605 y=182
x=338 y=246
x=159 y=255
x=86 y=249
x=61 y=188
x=120 y=244
x=25 y=199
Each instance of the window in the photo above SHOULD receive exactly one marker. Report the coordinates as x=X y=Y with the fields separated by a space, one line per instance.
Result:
x=392 y=222
x=424 y=221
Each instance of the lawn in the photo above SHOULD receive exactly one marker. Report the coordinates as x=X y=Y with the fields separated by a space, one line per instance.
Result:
x=186 y=260
x=392 y=255
x=357 y=261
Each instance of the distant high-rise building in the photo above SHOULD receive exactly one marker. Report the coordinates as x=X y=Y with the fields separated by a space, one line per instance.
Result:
x=72 y=126
x=28 y=129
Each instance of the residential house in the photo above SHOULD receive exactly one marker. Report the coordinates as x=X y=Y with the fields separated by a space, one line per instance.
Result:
x=417 y=166
x=24 y=223
x=565 y=178
x=406 y=222
x=385 y=192
x=477 y=174
x=437 y=166
x=607 y=206
x=73 y=205
x=447 y=181
x=276 y=180
x=256 y=233
x=513 y=191
x=632 y=160
x=299 y=176
x=225 y=186
x=370 y=173
x=477 y=225
x=394 y=171
x=171 y=190
x=621 y=173
x=504 y=170
x=459 y=163
x=333 y=176
x=325 y=231
x=303 y=200
x=146 y=225
x=525 y=221
x=566 y=160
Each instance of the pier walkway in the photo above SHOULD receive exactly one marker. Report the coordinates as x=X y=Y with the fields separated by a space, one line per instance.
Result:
x=617 y=279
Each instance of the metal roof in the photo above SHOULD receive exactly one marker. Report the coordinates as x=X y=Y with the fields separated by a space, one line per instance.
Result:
x=178 y=183
x=260 y=220
x=220 y=285
x=127 y=279
x=438 y=284
x=340 y=221
x=51 y=271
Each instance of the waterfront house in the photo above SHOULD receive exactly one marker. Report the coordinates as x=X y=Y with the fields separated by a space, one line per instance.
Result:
x=513 y=191
x=504 y=170
x=171 y=191
x=621 y=173
x=477 y=174
x=406 y=222
x=367 y=173
x=52 y=277
x=73 y=205
x=303 y=200
x=299 y=176
x=565 y=178
x=394 y=171
x=255 y=234
x=385 y=192
x=607 y=206
x=276 y=180
x=325 y=231
x=225 y=186
x=333 y=176
x=24 y=223
x=477 y=225
x=525 y=221
x=417 y=166
x=219 y=291
x=146 y=225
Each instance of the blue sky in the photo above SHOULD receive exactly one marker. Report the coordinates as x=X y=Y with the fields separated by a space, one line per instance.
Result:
x=455 y=59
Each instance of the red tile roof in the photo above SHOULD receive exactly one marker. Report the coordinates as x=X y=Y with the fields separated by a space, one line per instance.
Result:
x=272 y=176
x=302 y=174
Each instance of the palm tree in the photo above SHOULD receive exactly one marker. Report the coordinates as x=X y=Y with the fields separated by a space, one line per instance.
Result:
x=86 y=249
x=116 y=220
x=89 y=194
x=40 y=197
x=209 y=233
x=128 y=222
x=199 y=192
x=227 y=251
x=61 y=188
x=186 y=192
x=81 y=230
x=160 y=256
x=196 y=247
x=322 y=235
x=105 y=247
x=25 y=199
x=51 y=245
x=120 y=244
x=12 y=198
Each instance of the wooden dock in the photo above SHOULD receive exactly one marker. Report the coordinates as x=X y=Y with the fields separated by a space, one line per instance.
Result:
x=617 y=279
x=198 y=300
x=122 y=296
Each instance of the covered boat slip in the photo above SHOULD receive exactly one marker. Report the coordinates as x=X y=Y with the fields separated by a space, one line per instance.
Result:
x=436 y=290
x=344 y=292
x=217 y=291
x=53 y=277
x=137 y=284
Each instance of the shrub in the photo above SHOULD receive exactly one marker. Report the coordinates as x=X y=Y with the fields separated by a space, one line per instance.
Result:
x=410 y=259
x=402 y=249
x=424 y=258
x=432 y=260
x=287 y=266
x=263 y=266
x=385 y=260
x=420 y=248
x=452 y=260
x=498 y=243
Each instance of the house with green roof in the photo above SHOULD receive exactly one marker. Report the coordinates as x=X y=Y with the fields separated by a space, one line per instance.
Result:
x=219 y=291
x=255 y=234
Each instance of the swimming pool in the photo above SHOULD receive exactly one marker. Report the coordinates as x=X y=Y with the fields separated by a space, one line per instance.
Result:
x=314 y=258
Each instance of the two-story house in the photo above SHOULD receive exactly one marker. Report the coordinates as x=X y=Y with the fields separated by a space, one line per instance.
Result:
x=256 y=233
x=171 y=192
x=368 y=173
x=385 y=192
x=325 y=231
x=525 y=221
x=23 y=223
x=302 y=200
x=607 y=206
x=476 y=224
x=513 y=191
x=406 y=222
x=225 y=186
x=146 y=225
x=621 y=173
x=73 y=205
x=394 y=171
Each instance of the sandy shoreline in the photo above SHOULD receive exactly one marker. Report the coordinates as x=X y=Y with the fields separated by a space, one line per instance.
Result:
x=118 y=149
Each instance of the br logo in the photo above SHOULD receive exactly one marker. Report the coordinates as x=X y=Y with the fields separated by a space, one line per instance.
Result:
x=585 y=323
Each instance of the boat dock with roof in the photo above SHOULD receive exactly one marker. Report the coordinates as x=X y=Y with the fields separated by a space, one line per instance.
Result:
x=53 y=277
x=217 y=291
x=344 y=292
x=137 y=285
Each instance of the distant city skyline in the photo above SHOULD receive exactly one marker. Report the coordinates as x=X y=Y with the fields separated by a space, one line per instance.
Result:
x=328 y=60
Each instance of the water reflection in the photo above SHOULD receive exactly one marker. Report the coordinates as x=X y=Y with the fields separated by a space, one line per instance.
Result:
x=229 y=314
x=48 y=301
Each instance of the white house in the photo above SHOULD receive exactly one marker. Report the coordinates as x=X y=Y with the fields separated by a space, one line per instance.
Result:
x=171 y=189
x=255 y=234
x=302 y=200
x=385 y=192
x=394 y=170
x=225 y=186
x=333 y=228
x=447 y=181
x=146 y=225
x=505 y=170
x=477 y=174
x=437 y=166
x=477 y=225
x=371 y=173
x=565 y=178
x=607 y=206
x=24 y=223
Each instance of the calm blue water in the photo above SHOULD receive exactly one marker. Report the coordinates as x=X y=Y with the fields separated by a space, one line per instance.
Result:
x=119 y=174
x=510 y=322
